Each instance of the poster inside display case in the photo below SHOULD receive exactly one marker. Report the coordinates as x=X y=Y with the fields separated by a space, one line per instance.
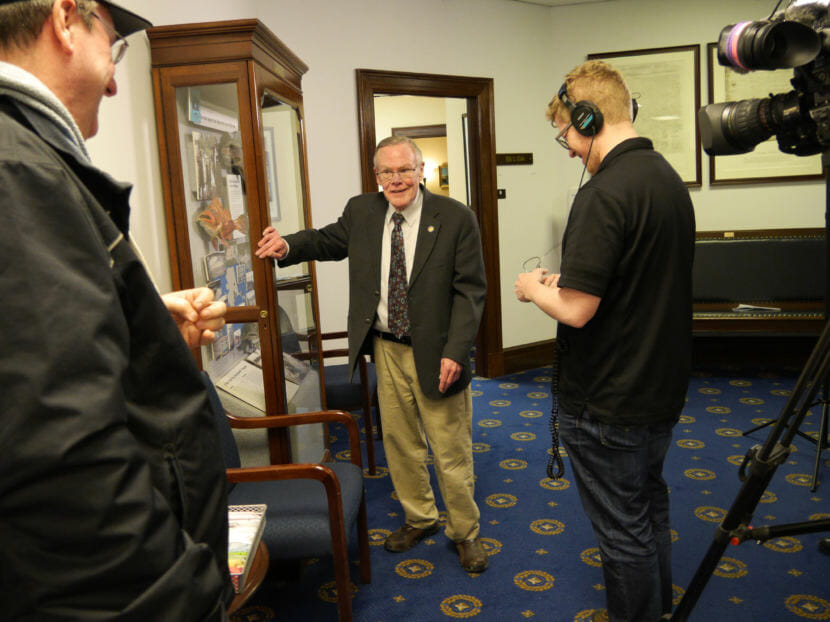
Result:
x=220 y=245
x=214 y=186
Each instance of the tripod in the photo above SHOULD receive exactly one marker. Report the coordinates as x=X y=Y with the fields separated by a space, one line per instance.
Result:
x=756 y=471
x=821 y=441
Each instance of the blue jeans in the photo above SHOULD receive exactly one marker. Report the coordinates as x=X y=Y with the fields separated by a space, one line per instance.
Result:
x=619 y=476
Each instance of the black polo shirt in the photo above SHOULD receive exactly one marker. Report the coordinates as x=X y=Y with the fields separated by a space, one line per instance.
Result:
x=629 y=240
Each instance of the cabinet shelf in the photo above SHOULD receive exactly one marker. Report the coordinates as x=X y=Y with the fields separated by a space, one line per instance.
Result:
x=291 y=282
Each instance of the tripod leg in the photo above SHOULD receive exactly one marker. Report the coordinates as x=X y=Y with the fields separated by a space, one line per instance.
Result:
x=761 y=468
x=759 y=427
x=821 y=444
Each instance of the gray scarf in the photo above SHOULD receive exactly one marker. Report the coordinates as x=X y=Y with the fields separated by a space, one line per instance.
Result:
x=24 y=87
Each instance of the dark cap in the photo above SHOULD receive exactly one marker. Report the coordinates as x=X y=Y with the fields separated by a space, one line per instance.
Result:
x=125 y=22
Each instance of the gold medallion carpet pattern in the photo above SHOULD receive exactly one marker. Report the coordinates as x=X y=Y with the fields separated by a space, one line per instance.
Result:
x=544 y=564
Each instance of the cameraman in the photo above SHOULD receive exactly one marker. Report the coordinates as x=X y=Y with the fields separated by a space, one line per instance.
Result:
x=623 y=301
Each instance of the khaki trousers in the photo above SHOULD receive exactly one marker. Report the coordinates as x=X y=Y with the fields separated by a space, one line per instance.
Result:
x=410 y=421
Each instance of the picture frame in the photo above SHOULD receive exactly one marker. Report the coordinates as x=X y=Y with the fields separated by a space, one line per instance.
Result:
x=766 y=163
x=444 y=175
x=214 y=265
x=666 y=84
x=205 y=149
x=271 y=172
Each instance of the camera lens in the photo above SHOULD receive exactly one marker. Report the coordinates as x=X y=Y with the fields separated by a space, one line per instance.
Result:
x=737 y=127
x=728 y=128
x=767 y=45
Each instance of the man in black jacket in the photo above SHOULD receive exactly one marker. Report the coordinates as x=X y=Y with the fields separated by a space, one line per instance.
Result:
x=112 y=494
x=420 y=338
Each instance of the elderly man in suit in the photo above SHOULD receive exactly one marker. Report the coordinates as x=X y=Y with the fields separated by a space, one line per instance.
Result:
x=417 y=287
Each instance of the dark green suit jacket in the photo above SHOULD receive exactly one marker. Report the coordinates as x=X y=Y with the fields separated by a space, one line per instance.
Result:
x=446 y=287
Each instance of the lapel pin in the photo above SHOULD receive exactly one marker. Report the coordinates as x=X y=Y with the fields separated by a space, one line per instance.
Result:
x=430 y=228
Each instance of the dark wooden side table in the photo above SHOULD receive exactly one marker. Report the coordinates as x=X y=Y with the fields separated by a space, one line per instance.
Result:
x=255 y=576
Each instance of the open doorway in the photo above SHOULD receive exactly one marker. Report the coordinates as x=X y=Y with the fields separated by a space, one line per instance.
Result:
x=432 y=141
x=479 y=189
x=438 y=127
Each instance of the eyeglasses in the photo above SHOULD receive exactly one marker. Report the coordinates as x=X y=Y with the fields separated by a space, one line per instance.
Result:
x=560 y=137
x=404 y=173
x=119 y=45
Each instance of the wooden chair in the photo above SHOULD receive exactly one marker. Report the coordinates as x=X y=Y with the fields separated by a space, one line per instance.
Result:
x=345 y=393
x=312 y=508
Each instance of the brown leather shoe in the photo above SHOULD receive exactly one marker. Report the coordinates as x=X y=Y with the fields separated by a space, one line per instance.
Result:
x=407 y=536
x=472 y=556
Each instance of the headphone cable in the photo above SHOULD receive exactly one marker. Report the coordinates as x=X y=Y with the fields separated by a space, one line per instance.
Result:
x=585 y=166
x=555 y=458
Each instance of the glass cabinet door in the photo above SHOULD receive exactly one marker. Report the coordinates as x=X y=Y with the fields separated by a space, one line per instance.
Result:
x=215 y=199
x=282 y=143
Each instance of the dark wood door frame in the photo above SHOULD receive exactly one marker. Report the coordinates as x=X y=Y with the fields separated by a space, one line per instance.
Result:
x=489 y=358
x=421 y=131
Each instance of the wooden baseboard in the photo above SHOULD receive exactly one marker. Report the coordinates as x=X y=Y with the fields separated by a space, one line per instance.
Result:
x=735 y=351
x=750 y=352
x=528 y=356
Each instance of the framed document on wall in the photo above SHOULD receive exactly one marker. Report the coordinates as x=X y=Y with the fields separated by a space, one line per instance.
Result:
x=666 y=84
x=766 y=163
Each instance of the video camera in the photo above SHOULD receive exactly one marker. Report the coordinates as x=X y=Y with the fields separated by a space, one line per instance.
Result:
x=796 y=36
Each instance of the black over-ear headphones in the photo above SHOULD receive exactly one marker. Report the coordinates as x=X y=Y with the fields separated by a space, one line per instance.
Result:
x=585 y=116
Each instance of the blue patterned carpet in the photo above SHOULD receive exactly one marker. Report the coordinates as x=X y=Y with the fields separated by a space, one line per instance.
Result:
x=544 y=563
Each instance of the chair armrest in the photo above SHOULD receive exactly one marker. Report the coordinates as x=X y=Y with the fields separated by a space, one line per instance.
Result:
x=319 y=472
x=336 y=335
x=335 y=352
x=320 y=416
x=274 y=472
x=332 y=352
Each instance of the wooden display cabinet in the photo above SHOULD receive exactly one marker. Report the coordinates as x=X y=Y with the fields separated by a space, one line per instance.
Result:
x=229 y=111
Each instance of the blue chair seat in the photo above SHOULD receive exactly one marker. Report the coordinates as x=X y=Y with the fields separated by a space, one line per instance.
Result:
x=311 y=508
x=299 y=527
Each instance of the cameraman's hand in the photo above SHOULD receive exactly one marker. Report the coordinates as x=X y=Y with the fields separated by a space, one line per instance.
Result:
x=528 y=282
x=551 y=280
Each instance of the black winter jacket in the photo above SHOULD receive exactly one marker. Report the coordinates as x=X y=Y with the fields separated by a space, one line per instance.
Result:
x=112 y=489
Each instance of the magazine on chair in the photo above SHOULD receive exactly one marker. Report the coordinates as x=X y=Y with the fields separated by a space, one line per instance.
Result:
x=245 y=525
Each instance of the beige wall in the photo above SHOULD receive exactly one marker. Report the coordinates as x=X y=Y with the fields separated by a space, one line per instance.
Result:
x=525 y=48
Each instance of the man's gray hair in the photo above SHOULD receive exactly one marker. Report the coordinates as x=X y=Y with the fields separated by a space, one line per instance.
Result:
x=21 y=22
x=399 y=140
